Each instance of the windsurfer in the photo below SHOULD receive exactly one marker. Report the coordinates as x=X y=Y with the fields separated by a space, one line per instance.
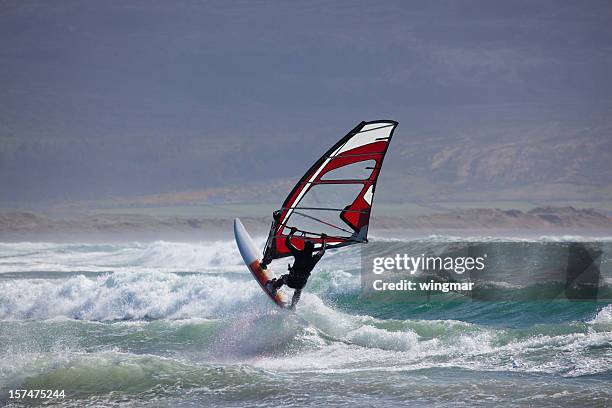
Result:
x=305 y=261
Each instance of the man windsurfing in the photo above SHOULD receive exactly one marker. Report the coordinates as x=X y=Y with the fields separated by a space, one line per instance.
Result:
x=304 y=262
x=335 y=194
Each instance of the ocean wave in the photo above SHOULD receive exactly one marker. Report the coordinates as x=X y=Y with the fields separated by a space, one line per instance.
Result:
x=126 y=296
x=211 y=330
x=318 y=339
x=604 y=316
x=159 y=255
x=82 y=375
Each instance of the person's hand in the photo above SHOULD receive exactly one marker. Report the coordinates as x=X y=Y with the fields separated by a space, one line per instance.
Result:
x=323 y=237
x=293 y=229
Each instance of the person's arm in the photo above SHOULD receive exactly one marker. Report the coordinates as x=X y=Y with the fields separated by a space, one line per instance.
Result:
x=289 y=244
x=323 y=247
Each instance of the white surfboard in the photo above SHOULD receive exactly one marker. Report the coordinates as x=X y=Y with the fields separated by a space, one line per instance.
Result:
x=249 y=253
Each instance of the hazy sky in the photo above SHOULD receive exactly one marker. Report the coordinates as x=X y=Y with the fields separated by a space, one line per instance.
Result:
x=132 y=97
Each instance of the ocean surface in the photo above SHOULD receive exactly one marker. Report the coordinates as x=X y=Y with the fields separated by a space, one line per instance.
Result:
x=184 y=324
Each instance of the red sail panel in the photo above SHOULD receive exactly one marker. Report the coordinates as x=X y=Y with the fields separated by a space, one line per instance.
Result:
x=335 y=195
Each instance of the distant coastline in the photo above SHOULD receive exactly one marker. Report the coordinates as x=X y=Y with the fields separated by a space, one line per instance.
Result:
x=30 y=226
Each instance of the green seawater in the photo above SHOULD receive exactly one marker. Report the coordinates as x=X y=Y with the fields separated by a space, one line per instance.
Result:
x=183 y=324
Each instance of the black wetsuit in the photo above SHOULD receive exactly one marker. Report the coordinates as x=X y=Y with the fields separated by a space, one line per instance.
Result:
x=300 y=271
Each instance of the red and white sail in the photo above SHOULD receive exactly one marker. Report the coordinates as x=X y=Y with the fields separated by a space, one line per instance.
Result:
x=335 y=195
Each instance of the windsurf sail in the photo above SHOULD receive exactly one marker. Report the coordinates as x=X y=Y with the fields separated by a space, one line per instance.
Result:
x=335 y=195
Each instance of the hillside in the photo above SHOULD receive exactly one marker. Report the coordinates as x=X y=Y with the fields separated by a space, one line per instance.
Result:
x=30 y=226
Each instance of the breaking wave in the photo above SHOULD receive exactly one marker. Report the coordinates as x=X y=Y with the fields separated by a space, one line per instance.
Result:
x=158 y=255
x=168 y=317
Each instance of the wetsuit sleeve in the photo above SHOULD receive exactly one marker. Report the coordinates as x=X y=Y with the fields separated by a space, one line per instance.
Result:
x=320 y=254
x=290 y=245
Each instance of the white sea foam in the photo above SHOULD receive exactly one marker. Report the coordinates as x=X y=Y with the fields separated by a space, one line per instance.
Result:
x=604 y=315
x=372 y=337
x=125 y=295
x=158 y=255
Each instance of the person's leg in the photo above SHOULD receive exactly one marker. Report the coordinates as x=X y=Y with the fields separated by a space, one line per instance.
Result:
x=296 y=298
x=274 y=284
x=277 y=283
